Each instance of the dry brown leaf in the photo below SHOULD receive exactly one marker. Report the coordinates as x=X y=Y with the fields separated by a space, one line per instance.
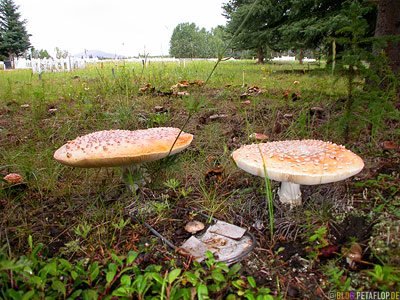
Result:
x=214 y=172
x=13 y=178
x=147 y=87
x=286 y=93
x=258 y=136
x=388 y=145
x=262 y=91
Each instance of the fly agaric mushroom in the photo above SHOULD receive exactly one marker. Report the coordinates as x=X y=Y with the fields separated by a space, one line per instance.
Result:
x=298 y=162
x=115 y=148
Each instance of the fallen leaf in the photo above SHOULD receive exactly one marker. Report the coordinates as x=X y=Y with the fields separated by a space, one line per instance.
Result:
x=13 y=178
x=296 y=82
x=247 y=102
x=214 y=172
x=388 y=145
x=253 y=89
x=262 y=91
x=286 y=93
x=258 y=136
x=180 y=84
x=183 y=83
x=147 y=87
x=328 y=251
x=197 y=82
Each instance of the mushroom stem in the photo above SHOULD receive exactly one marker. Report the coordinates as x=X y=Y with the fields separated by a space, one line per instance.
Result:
x=132 y=177
x=290 y=193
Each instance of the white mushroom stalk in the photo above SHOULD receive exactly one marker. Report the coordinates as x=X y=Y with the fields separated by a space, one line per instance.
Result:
x=290 y=193
x=298 y=162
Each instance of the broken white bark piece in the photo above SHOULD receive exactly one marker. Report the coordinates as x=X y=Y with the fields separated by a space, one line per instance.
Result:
x=227 y=230
x=224 y=240
x=196 y=248
x=225 y=248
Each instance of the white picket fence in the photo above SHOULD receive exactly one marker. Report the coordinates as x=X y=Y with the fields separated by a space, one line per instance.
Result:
x=52 y=65
x=58 y=65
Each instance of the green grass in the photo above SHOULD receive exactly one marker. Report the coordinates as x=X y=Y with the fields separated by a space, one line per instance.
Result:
x=56 y=203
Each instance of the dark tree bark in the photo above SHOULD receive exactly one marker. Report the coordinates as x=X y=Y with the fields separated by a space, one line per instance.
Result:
x=260 y=54
x=388 y=24
x=301 y=56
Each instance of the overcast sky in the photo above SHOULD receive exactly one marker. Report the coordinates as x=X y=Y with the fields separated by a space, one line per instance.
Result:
x=125 y=27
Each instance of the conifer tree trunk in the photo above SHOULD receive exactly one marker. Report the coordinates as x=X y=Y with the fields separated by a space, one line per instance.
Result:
x=260 y=55
x=388 y=23
x=301 y=56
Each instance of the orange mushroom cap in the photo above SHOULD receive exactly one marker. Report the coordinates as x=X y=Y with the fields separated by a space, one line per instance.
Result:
x=114 y=148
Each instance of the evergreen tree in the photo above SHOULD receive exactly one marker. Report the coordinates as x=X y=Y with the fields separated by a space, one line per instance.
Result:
x=311 y=24
x=42 y=53
x=256 y=23
x=188 y=41
x=184 y=41
x=14 y=37
x=297 y=25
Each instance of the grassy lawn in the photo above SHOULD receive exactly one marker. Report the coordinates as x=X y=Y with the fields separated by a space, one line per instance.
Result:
x=80 y=216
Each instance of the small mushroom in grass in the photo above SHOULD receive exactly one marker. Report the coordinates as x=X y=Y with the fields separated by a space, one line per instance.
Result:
x=194 y=226
x=13 y=178
x=353 y=255
x=116 y=148
x=298 y=162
